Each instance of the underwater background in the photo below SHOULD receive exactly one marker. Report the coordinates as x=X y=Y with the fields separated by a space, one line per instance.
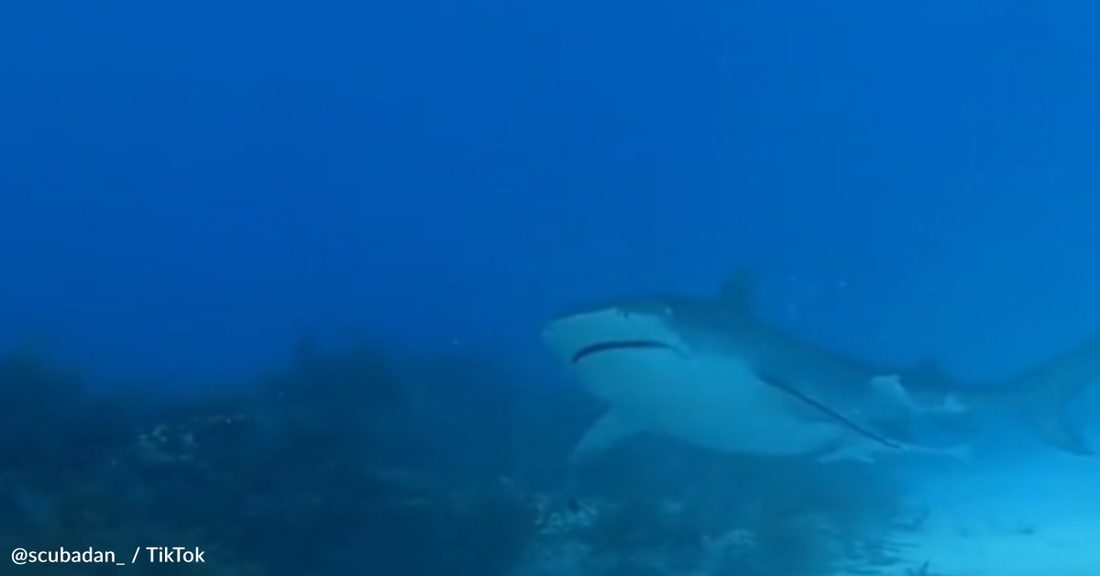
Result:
x=273 y=274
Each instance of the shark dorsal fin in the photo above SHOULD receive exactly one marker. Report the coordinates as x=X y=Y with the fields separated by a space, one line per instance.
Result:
x=739 y=291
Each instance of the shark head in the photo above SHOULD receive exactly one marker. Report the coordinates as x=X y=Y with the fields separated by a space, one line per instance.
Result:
x=615 y=348
x=638 y=327
x=664 y=365
x=629 y=328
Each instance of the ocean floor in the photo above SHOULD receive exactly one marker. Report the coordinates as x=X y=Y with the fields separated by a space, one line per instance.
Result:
x=1033 y=517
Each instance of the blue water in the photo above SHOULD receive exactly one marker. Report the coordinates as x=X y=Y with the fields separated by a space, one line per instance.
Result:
x=188 y=189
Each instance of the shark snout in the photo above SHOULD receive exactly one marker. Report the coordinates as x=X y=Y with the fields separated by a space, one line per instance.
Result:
x=578 y=337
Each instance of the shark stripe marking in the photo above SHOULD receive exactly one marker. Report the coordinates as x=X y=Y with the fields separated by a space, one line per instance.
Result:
x=602 y=347
x=836 y=416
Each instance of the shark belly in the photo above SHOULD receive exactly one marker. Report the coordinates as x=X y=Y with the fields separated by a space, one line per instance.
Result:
x=712 y=401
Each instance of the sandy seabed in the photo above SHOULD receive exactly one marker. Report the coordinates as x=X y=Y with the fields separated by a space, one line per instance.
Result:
x=1039 y=517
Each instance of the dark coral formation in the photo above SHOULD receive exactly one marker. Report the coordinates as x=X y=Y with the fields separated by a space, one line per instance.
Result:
x=361 y=461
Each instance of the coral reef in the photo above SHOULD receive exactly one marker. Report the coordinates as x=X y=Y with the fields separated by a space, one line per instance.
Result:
x=363 y=461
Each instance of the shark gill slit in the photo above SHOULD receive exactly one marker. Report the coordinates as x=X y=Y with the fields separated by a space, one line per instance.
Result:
x=602 y=347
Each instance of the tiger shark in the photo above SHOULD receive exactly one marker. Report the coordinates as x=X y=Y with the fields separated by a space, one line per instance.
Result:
x=710 y=371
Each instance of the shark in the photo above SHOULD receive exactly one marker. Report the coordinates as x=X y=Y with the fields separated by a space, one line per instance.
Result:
x=712 y=372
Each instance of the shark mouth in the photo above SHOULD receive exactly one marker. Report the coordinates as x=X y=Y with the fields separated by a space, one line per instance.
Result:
x=614 y=345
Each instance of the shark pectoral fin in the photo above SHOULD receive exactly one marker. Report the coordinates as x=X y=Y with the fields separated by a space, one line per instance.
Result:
x=605 y=433
x=602 y=435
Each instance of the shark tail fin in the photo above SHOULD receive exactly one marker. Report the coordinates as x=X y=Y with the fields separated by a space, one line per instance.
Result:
x=1045 y=392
